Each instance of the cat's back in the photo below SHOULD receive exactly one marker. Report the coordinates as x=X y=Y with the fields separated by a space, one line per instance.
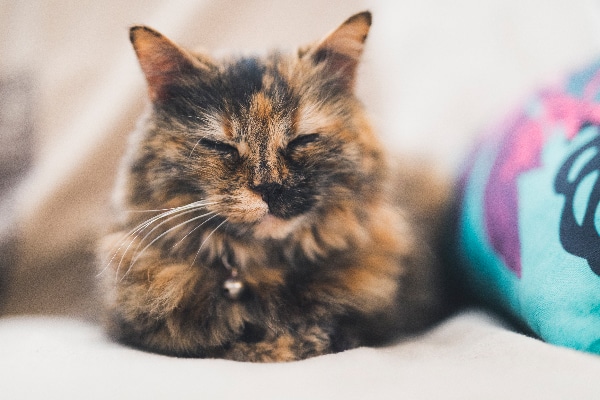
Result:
x=422 y=192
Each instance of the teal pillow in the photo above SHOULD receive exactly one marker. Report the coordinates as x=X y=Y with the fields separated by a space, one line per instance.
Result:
x=528 y=241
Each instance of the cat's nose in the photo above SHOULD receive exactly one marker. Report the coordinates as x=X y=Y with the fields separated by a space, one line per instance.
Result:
x=268 y=191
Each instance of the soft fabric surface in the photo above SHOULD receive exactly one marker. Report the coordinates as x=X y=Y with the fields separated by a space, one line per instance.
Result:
x=434 y=73
x=471 y=356
x=528 y=226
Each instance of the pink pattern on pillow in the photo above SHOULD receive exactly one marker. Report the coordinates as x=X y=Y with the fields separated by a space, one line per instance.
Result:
x=520 y=151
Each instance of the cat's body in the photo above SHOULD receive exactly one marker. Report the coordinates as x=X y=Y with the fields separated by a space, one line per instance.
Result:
x=277 y=231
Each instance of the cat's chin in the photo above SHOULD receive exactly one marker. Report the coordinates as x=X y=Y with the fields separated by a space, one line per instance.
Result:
x=272 y=227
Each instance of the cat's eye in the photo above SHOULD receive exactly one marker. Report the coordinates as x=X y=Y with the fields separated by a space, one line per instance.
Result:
x=303 y=140
x=219 y=147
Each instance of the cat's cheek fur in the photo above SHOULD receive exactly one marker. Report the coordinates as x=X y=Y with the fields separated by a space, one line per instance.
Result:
x=271 y=227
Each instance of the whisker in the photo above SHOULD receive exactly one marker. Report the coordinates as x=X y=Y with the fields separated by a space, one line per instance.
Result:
x=195 y=203
x=170 y=211
x=139 y=254
x=164 y=222
x=150 y=221
x=204 y=241
x=192 y=231
x=194 y=148
x=138 y=233
x=194 y=206
x=150 y=210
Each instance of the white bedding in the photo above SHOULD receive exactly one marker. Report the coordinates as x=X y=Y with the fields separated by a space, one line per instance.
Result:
x=471 y=356
x=435 y=74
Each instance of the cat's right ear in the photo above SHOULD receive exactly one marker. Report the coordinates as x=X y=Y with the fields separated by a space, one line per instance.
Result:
x=340 y=51
x=162 y=61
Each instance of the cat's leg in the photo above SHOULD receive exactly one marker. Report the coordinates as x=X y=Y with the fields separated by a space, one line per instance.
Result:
x=385 y=295
x=167 y=306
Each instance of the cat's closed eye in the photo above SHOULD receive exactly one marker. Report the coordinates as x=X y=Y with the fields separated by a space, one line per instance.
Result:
x=219 y=147
x=303 y=141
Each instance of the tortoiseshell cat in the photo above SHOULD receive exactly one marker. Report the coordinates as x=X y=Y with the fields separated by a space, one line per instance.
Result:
x=259 y=219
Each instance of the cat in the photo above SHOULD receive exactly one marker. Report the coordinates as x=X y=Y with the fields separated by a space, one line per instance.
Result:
x=257 y=215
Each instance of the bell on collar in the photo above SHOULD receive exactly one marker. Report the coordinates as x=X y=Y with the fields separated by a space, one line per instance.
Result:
x=233 y=288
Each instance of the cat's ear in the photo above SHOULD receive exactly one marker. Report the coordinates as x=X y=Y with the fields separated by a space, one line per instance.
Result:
x=341 y=50
x=162 y=61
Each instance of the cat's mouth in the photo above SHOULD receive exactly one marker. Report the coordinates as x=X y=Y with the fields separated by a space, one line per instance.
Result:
x=253 y=215
x=263 y=224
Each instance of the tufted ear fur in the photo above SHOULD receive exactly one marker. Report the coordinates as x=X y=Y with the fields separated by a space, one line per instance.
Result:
x=341 y=50
x=162 y=61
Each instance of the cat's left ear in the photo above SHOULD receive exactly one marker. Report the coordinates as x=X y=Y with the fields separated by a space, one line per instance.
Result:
x=162 y=61
x=341 y=50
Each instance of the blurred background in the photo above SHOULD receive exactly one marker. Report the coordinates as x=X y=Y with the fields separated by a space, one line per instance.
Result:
x=435 y=74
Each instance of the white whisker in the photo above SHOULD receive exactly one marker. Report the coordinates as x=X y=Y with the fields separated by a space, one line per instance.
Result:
x=194 y=148
x=139 y=254
x=208 y=237
x=164 y=222
x=168 y=213
x=193 y=204
x=173 y=213
x=192 y=231
x=138 y=233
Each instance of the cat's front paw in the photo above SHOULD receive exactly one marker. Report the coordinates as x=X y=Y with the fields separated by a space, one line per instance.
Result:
x=285 y=347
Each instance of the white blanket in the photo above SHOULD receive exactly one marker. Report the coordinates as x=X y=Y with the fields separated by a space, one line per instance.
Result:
x=471 y=356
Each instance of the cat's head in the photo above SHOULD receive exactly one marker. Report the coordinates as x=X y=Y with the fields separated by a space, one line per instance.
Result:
x=270 y=143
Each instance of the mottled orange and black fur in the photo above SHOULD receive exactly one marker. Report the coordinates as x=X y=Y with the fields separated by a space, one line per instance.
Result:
x=266 y=166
